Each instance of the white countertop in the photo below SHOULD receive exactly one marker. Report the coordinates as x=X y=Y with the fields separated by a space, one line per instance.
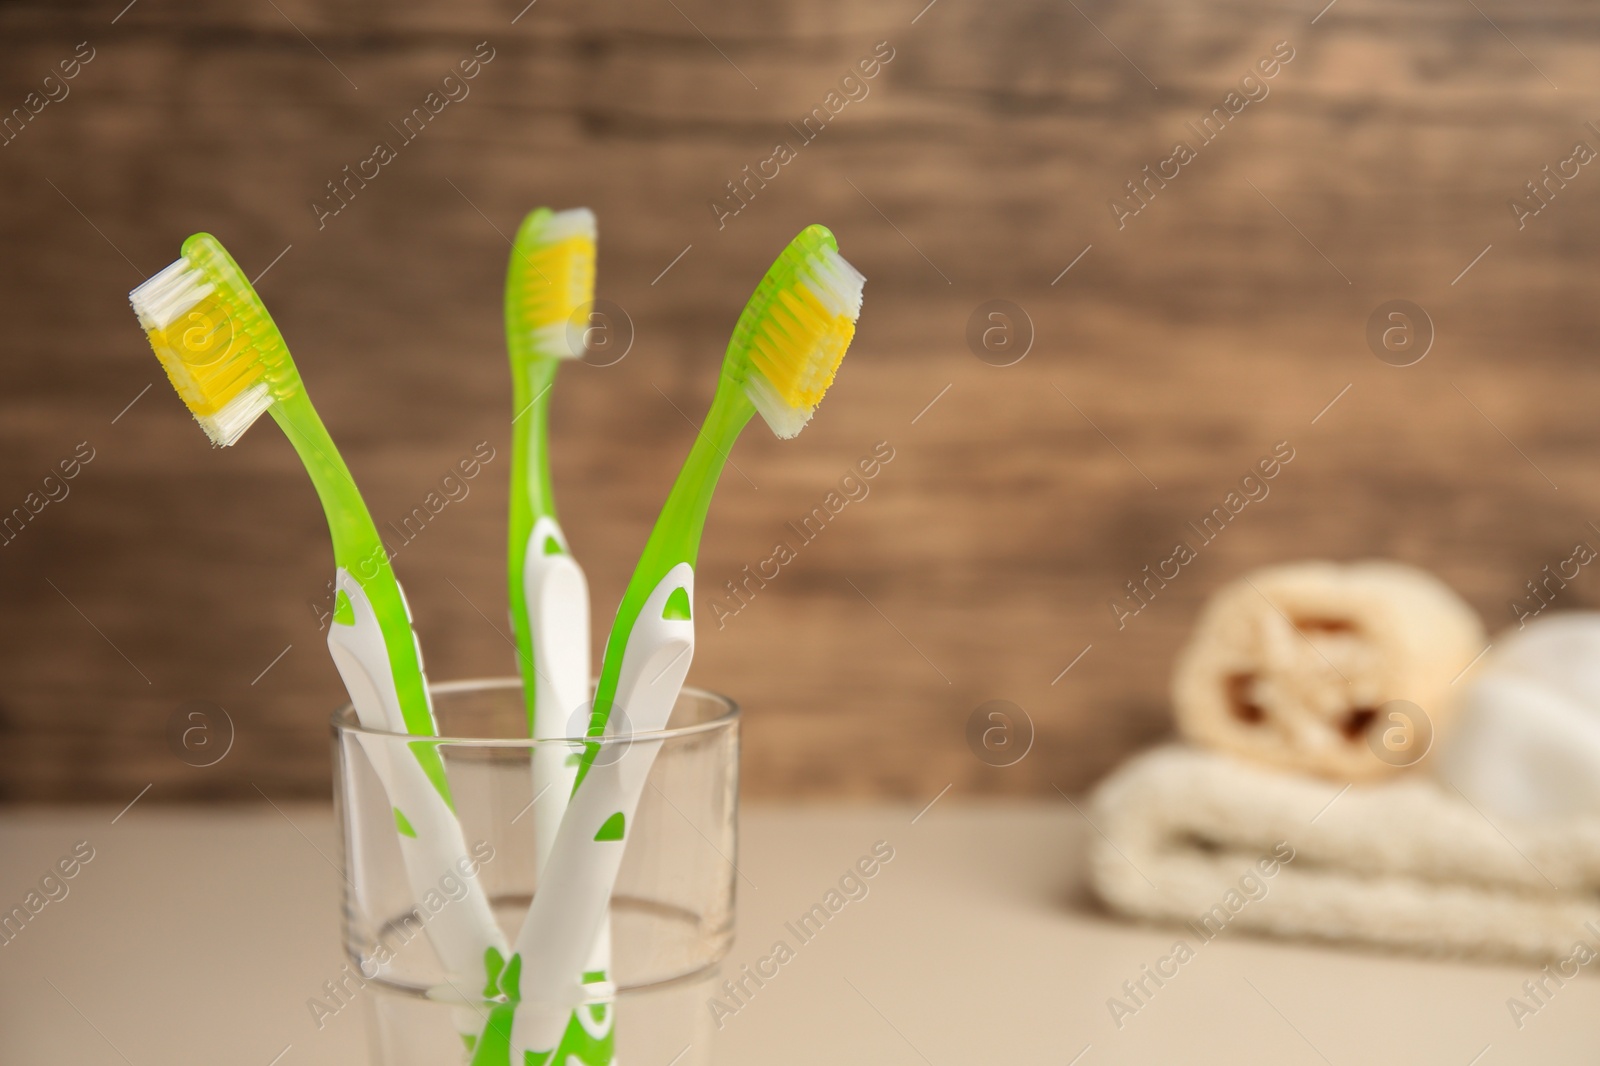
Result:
x=197 y=937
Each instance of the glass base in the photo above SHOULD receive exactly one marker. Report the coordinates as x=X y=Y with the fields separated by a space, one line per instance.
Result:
x=651 y=1025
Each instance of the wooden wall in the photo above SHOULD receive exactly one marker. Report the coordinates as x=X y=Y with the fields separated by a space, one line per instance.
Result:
x=1182 y=346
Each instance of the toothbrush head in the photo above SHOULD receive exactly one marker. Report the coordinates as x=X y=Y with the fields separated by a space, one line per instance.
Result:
x=550 y=279
x=793 y=333
x=215 y=340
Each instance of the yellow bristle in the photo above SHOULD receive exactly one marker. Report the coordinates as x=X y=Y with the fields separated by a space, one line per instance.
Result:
x=801 y=346
x=557 y=280
x=207 y=359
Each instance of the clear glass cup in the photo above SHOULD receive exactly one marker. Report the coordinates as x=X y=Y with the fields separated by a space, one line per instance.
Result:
x=670 y=914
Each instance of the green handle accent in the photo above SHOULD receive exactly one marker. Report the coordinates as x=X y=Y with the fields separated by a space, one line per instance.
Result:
x=578 y=1043
x=493 y=1046
x=674 y=539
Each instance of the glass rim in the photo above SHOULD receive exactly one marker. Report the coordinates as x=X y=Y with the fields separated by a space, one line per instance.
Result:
x=344 y=721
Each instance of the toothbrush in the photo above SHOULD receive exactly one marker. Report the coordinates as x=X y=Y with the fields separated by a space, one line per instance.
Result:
x=549 y=280
x=786 y=347
x=228 y=362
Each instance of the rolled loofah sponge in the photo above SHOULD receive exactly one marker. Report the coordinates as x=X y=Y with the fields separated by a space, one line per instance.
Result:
x=1300 y=666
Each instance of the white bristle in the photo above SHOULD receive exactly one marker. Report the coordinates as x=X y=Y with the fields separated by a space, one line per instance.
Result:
x=836 y=283
x=578 y=222
x=163 y=299
x=559 y=341
x=237 y=415
x=784 y=420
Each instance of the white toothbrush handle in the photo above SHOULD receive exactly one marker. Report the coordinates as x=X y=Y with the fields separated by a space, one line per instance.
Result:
x=557 y=596
x=439 y=865
x=573 y=896
x=437 y=855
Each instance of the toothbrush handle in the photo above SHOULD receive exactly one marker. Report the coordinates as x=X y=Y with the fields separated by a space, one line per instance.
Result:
x=556 y=596
x=361 y=652
x=439 y=863
x=575 y=897
x=570 y=905
x=435 y=849
x=576 y=890
x=556 y=672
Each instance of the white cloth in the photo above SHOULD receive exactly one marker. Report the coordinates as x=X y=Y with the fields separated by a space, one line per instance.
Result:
x=1526 y=741
x=1403 y=863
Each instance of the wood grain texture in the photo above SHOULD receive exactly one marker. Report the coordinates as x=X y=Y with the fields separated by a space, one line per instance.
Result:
x=1221 y=319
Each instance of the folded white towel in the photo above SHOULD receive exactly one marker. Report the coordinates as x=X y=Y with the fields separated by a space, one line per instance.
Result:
x=1190 y=836
x=1526 y=743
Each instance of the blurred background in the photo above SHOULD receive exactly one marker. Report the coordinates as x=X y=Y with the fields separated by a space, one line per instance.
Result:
x=1165 y=322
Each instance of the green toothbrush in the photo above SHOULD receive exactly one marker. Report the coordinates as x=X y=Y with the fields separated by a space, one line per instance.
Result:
x=786 y=347
x=228 y=362
x=550 y=279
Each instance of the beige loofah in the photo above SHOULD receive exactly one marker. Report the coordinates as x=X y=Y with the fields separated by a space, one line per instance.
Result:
x=1297 y=666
